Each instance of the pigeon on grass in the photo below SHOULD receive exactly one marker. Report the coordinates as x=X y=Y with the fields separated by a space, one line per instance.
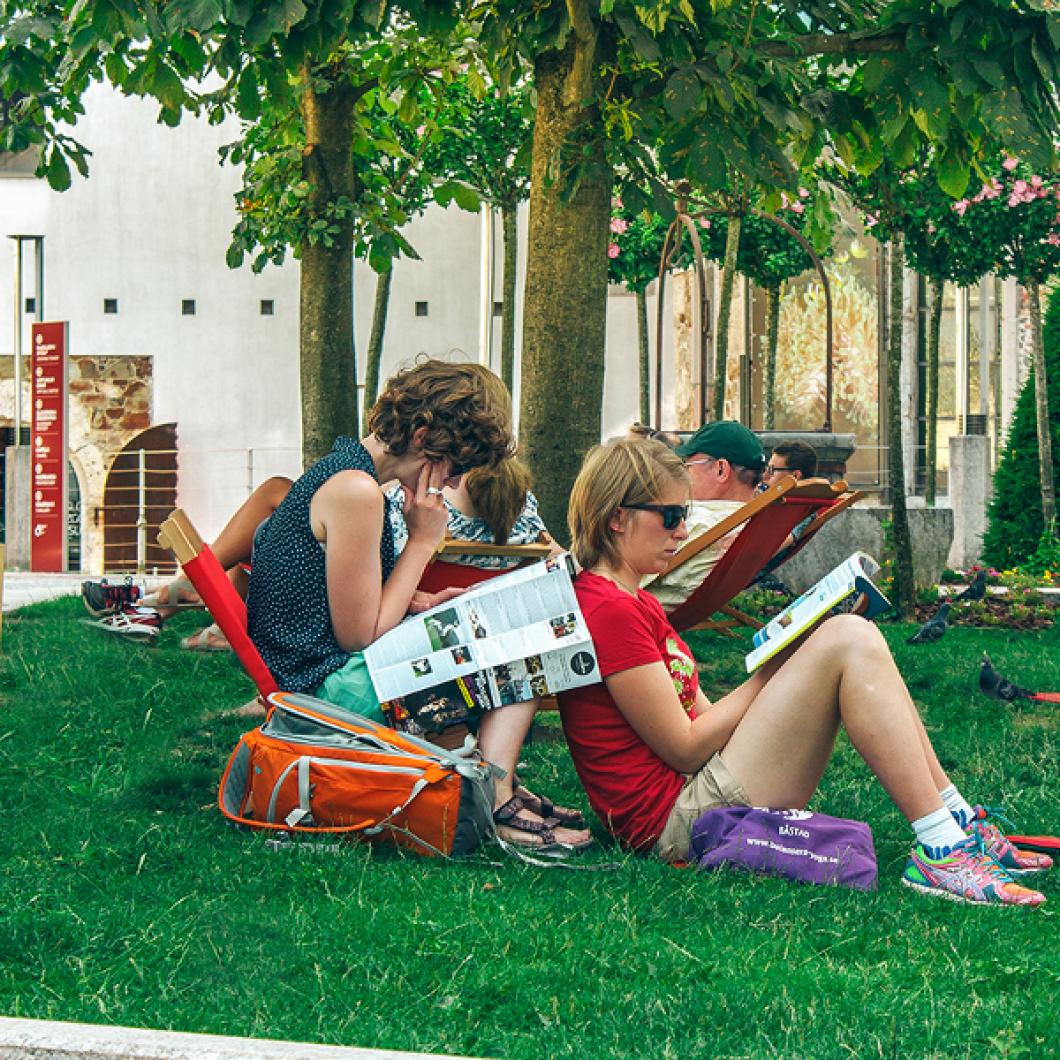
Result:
x=998 y=687
x=976 y=590
x=933 y=629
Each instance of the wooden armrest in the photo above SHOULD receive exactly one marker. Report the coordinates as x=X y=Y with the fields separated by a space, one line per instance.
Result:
x=819 y=489
x=179 y=536
x=452 y=547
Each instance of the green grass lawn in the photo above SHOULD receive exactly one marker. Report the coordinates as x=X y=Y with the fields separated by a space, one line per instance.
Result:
x=125 y=898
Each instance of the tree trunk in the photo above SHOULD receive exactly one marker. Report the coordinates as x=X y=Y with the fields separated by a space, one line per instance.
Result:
x=510 y=227
x=328 y=378
x=1041 y=400
x=937 y=289
x=903 y=591
x=721 y=351
x=375 y=339
x=773 y=297
x=644 y=356
x=564 y=308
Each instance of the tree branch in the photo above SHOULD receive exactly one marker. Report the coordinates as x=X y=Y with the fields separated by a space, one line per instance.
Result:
x=831 y=44
x=578 y=84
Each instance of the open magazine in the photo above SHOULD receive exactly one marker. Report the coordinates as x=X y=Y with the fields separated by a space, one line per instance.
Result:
x=505 y=640
x=851 y=581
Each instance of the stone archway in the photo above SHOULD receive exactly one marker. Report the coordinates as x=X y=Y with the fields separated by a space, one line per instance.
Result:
x=121 y=499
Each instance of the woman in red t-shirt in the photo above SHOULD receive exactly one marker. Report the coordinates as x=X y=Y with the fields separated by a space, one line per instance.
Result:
x=653 y=753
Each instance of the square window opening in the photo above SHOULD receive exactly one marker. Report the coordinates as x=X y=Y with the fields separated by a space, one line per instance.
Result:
x=110 y=305
x=187 y=307
x=421 y=309
x=268 y=308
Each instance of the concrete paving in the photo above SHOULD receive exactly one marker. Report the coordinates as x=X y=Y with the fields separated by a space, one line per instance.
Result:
x=22 y=1039
x=22 y=588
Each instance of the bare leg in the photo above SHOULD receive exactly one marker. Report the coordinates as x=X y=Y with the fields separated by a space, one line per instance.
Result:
x=233 y=544
x=844 y=672
x=501 y=737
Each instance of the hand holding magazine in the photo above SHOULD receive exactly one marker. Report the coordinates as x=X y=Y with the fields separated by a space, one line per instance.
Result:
x=852 y=578
x=506 y=640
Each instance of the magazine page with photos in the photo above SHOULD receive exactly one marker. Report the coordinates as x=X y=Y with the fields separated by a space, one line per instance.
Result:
x=851 y=580
x=511 y=638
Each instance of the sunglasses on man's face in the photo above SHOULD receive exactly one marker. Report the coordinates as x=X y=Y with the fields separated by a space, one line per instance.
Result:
x=770 y=469
x=673 y=515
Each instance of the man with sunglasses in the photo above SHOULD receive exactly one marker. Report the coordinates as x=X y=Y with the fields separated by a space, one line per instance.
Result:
x=725 y=462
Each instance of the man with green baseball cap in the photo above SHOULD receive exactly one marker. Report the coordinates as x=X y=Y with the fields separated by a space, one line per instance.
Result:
x=729 y=441
x=725 y=461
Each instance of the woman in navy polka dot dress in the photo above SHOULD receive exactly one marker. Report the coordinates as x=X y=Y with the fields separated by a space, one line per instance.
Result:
x=325 y=582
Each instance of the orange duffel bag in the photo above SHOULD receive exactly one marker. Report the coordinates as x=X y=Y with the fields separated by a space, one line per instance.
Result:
x=313 y=767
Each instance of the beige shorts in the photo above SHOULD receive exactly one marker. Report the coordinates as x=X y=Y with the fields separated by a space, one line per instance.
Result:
x=712 y=786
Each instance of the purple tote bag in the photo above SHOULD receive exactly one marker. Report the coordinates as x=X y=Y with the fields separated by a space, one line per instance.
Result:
x=797 y=844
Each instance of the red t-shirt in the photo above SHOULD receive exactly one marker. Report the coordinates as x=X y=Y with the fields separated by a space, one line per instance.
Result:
x=631 y=789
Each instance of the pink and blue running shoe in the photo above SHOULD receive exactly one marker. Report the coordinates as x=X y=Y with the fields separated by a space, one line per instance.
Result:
x=1014 y=861
x=966 y=874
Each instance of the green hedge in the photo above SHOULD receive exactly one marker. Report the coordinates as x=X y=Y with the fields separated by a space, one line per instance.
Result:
x=1014 y=520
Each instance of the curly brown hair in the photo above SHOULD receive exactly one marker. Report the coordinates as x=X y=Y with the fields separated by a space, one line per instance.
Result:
x=466 y=409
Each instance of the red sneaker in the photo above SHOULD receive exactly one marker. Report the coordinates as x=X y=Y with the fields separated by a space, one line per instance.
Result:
x=101 y=598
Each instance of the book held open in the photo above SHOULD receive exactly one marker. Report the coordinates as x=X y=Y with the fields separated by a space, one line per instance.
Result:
x=851 y=580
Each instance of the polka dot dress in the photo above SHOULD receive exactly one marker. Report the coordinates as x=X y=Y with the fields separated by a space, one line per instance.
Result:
x=287 y=605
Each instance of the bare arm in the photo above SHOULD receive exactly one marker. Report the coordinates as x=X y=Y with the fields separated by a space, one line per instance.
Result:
x=648 y=701
x=347 y=515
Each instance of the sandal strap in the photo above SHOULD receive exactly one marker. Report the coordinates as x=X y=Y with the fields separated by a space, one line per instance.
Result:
x=508 y=815
x=545 y=807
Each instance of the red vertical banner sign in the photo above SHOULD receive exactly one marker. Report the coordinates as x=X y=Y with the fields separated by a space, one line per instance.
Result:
x=48 y=372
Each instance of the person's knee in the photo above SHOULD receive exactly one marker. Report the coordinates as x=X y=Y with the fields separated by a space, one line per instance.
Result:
x=850 y=634
x=274 y=489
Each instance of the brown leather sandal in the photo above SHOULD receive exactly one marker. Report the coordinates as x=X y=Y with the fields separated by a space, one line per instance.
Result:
x=545 y=807
x=510 y=816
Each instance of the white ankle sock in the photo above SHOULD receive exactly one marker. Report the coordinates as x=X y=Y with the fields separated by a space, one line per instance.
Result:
x=938 y=832
x=957 y=805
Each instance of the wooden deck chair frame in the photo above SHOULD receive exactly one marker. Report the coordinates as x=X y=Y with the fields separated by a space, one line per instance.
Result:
x=764 y=522
x=226 y=606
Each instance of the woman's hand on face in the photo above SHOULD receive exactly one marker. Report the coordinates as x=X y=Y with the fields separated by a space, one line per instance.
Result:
x=425 y=513
x=425 y=601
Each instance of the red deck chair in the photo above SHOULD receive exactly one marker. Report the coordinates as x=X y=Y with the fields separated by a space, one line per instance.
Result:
x=766 y=521
x=225 y=605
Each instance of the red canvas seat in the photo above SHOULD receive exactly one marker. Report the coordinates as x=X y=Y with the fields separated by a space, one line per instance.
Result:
x=766 y=522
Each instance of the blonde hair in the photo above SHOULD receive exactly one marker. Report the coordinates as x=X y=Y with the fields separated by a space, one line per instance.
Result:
x=624 y=471
x=498 y=495
x=466 y=409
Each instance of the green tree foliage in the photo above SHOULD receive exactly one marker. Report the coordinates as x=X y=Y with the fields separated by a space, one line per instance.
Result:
x=1015 y=523
x=698 y=90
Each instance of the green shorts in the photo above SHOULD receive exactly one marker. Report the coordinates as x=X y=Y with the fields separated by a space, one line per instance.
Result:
x=351 y=688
